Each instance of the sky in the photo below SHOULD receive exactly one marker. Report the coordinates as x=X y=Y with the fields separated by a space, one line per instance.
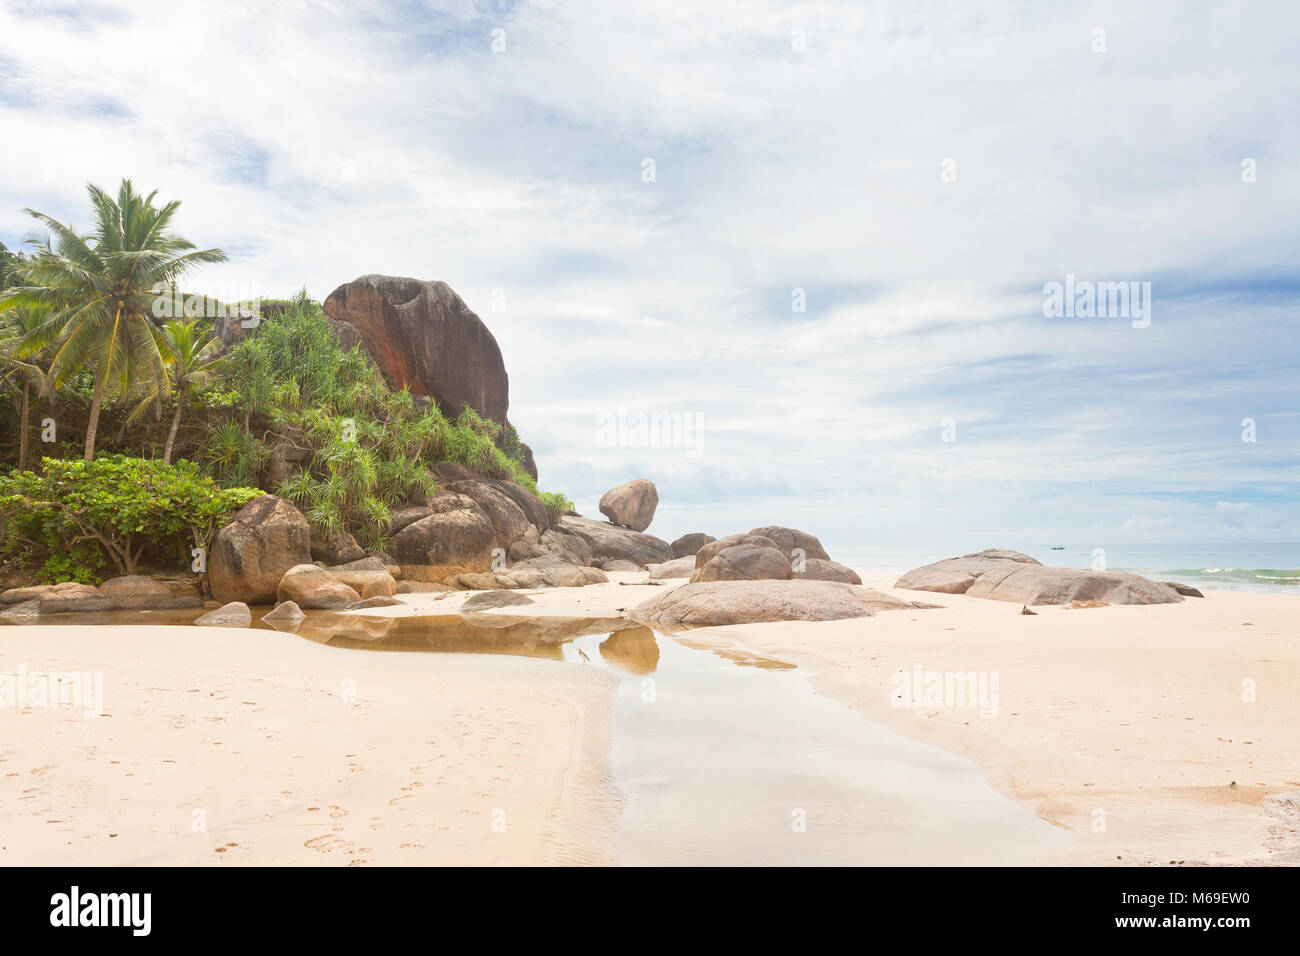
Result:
x=786 y=260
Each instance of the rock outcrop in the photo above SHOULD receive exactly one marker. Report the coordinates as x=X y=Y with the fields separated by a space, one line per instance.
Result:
x=610 y=541
x=632 y=504
x=250 y=555
x=770 y=553
x=423 y=336
x=1002 y=575
x=718 y=603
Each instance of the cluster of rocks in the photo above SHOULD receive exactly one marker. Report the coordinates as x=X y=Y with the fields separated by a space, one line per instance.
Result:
x=1002 y=575
x=476 y=533
x=770 y=553
x=132 y=592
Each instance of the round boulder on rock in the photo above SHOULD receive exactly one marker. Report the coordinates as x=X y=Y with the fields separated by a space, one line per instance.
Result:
x=315 y=588
x=631 y=504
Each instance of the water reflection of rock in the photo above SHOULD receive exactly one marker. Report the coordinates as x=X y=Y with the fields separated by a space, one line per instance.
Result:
x=454 y=633
x=340 y=630
x=634 y=649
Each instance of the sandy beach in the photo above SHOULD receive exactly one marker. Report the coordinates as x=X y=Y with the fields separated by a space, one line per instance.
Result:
x=228 y=746
x=1123 y=727
x=1134 y=711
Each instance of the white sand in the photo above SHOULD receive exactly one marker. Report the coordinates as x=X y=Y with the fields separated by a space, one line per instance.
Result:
x=1136 y=712
x=253 y=729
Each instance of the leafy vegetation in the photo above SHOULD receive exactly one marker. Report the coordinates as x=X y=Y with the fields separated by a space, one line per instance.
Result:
x=101 y=290
x=289 y=409
x=367 y=447
x=72 y=518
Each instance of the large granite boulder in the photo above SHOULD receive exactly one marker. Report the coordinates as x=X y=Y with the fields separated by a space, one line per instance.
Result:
x=744 y=562
x=455 y=537
x=135 y=592
x=787 y=539
x=423 y=336
x=311 y=587
x=819 y=569
x=688 y=544
x=609 y=541
x=369 y=577
x=632 y=504
x=1001 y=575
x=250 y=555
x=712 y=549
x=509 y=521
x=717 y=603
x=549 y=572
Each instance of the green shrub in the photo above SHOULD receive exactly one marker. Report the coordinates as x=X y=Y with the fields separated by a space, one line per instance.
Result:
x=370 y=445
x=556 y=504
x=72 y=518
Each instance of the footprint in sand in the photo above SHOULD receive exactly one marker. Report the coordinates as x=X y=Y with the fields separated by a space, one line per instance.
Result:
x=326 y=843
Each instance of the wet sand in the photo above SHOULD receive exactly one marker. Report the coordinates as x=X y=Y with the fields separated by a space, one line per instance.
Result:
x=1125 y=728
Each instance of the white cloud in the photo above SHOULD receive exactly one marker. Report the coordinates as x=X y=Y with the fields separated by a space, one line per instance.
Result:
x=320 y=141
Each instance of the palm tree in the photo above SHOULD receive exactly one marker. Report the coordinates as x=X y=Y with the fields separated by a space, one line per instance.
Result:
x=21 y=362
x=190 y=353
x=102 y=289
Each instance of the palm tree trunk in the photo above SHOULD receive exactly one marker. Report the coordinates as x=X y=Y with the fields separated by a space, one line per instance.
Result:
x=95 y=403
x=22 y=438
x=171 y=435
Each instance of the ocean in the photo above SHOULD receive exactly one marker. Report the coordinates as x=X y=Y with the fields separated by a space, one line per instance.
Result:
x=1271 y=567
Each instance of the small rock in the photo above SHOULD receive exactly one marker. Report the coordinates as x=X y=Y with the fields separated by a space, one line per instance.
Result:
x=234 y=614
x=284 y=612
x=485 y=600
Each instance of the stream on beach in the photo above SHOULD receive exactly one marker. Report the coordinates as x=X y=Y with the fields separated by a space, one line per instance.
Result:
x=724 y=757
